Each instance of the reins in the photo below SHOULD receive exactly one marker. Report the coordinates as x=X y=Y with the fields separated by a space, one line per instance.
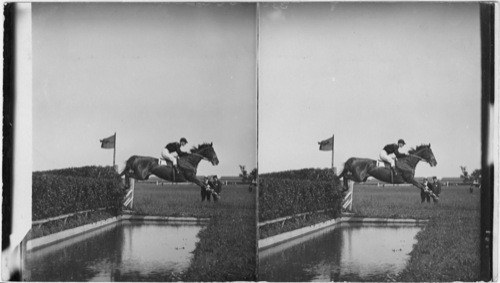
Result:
x=413 y=155
x=201 y=156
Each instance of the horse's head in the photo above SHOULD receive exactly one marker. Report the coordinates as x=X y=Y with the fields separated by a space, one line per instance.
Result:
x=425 y=152
x=207 y=151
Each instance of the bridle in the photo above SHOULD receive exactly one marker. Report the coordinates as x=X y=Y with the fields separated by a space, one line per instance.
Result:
x=201 y=156
x=418 y=157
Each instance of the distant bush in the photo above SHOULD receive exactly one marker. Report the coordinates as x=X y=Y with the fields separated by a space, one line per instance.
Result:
x=64 y=191
x=284 y=197
x=311 y=174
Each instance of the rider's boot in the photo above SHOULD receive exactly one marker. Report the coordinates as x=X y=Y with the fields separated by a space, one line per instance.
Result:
x=175 y=172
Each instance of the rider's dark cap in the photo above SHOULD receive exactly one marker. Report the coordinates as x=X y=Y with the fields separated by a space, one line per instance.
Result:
x=184 y=140
x=401 y=141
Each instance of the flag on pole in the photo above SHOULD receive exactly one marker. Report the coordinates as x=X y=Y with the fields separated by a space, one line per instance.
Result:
x=108 y=142
x=326 y=145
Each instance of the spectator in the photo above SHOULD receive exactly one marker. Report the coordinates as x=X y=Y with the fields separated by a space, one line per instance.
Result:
x=435 y=186
x=252 y=185
x=204 y=193
x=474 y=184
x=215 y=184
x=423 y=195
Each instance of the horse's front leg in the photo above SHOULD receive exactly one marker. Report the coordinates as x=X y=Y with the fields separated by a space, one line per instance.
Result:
x=195 y=180
x=423 y=188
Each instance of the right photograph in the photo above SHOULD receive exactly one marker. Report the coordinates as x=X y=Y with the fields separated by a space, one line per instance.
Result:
x=370 y=142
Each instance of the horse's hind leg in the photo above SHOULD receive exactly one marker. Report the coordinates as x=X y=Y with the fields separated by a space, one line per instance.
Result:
x=125 y=170
x=344 y=174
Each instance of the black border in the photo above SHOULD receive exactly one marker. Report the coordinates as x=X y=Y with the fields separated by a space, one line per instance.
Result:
x=487 y=18
x=9 y=43
x=487 y=32
x=8 y=121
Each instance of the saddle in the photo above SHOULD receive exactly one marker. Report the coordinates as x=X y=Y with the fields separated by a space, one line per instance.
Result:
x=382 y=163
x=387 y=165
x=181 y=164
x=400 y=166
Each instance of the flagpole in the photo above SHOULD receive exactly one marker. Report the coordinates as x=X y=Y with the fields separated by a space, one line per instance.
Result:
x=114 y=152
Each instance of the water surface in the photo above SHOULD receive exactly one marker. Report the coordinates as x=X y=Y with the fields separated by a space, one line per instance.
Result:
x=349 y=252
x=127 y=251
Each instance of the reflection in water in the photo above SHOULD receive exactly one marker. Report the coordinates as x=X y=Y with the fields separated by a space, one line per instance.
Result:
x=121 y=252
x=351 y=252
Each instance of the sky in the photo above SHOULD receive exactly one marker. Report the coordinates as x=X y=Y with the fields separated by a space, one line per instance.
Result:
x=369 y=74
x=152 y=73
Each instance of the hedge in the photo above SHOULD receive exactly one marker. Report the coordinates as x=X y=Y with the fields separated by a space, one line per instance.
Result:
x=285 y=197
x=303 y=174
x=87 y=171
x=65 y=191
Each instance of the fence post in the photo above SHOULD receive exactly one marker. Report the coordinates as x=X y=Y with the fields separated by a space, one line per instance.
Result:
x=129 y=197
x=347 y=201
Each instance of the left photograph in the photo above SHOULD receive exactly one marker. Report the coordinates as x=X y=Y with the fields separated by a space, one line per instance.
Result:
x=144 y=138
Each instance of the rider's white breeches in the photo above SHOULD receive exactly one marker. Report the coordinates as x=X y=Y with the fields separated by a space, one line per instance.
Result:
x=169 y=156
x=388 y=157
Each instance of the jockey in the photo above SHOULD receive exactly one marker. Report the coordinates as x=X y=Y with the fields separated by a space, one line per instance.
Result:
x=392 y=151
x=173 y=150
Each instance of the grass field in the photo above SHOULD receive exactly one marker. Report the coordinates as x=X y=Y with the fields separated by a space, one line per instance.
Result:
x=448 y=248
x=227 y=247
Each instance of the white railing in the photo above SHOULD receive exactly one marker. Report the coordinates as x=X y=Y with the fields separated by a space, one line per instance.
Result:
x=282 y=219
x=65 y=216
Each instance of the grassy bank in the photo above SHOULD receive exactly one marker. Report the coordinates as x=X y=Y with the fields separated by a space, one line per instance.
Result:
x=293 y=224
x=227 y=247
x=448 y=248
x=69 y=223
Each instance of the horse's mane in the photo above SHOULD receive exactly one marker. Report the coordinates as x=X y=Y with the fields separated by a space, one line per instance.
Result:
x=200 y=146
x=419 y=147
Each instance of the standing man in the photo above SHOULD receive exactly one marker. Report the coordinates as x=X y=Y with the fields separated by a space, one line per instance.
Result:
x=205 y=193
x=172 y=151
x=392 y=151
x=216 y=185
x=435 y=186
x=423 y=195
x=475 y=184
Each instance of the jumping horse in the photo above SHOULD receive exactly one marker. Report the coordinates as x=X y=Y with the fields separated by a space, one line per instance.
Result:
x=359 y=169
x=141 y=167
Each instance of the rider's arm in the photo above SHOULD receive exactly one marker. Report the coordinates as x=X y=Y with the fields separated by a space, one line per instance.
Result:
x=401 y=152
x=180 y=153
